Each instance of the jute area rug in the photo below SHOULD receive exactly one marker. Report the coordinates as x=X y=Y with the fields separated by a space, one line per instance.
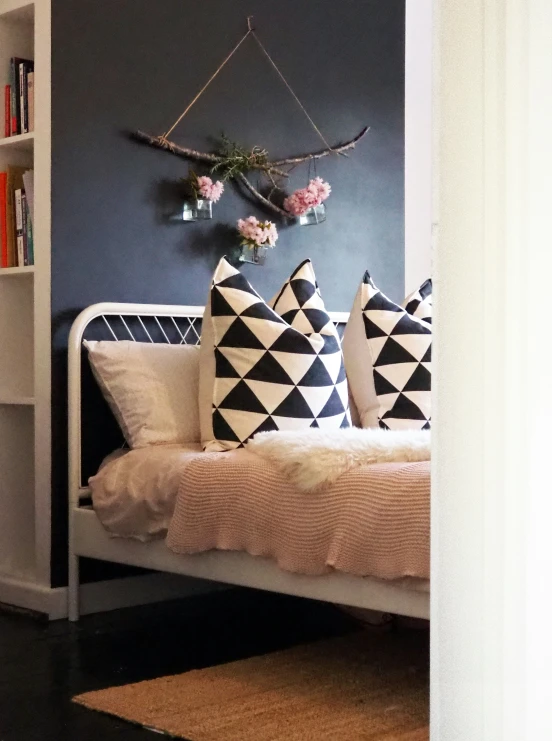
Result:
x=362 y=687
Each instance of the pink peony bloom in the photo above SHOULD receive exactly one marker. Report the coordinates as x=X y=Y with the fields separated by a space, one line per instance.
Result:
x=299 y=202
x=257 y=233
x=217 y=190
x=209 y=190
x=324 y=188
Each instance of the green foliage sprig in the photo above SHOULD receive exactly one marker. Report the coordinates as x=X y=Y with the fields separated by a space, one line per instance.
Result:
x=235 y=159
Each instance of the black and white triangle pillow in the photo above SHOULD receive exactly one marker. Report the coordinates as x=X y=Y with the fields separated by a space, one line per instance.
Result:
x=420 y=302
x=272 y=371
x=388 y=361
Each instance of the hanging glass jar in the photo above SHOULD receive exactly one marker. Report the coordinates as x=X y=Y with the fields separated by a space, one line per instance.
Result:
x=194 y=210
x=315 y=215
x=254 y=255
x=188 y=211
x=204 y=208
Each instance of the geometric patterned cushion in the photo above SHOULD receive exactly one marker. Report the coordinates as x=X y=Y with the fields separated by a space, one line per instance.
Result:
x=273 y=373
x=388 y=361
x=420 y=303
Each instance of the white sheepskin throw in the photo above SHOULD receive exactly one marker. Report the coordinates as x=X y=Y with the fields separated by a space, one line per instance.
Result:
x=315 y=459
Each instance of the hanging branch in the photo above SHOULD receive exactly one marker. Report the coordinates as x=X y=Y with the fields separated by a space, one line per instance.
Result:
x=341 y=149
x=215 y=159
x=233 y=161
x=259 y=196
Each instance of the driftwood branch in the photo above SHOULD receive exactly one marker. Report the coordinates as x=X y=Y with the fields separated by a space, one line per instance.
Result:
x=162 y=143
x=259 y=196
x=193 y=154
x=341 y=149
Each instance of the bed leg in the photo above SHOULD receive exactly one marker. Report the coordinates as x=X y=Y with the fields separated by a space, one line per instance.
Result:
x=73 y=589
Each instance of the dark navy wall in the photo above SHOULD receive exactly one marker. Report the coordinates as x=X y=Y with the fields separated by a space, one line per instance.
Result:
x=135 y=64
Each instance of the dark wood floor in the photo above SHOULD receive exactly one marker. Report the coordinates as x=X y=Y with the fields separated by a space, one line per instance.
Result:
x=43 y=665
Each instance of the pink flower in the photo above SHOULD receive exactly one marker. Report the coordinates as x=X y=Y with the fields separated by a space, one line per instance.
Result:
x=257 y=233
x=209 y=190
x=299 y=202
x=324 y=188
x=216 y=191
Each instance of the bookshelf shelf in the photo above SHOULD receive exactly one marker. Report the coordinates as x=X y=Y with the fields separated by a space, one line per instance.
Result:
x=17 y=11
x=17 y=272
x=19 y=143
x=20 y=401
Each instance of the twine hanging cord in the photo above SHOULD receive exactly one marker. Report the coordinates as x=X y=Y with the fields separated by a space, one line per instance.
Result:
x=250 y=32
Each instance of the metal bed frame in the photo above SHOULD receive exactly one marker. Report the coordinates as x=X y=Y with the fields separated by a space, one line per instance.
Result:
x=88 y=538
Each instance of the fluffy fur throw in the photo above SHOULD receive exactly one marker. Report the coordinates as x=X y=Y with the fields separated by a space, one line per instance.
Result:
x=314 y=459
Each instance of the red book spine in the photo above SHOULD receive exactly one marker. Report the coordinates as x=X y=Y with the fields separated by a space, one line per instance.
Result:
x=7 y=110
x=3 y=221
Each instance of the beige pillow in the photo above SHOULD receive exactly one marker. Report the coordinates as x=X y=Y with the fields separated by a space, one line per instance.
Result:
x=359 y=369
x=152 y=389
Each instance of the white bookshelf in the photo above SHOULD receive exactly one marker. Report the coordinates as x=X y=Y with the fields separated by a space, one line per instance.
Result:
x=25 y=335
x=19 y=143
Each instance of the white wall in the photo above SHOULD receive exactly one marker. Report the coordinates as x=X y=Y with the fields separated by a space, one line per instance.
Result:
x=418 y=142
x=491 y=550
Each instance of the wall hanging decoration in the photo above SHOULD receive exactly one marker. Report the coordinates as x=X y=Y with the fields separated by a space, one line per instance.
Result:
x=199 y=193
x=257 y=238
x=232 y=162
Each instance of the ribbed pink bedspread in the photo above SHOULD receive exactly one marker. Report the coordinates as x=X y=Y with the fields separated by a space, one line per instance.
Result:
x=373 y=522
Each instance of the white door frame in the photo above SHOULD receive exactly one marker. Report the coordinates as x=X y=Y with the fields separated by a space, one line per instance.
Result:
x=418 y=131
x=491 y=652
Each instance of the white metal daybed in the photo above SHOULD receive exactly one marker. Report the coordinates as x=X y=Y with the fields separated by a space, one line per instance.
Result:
x=88 y=538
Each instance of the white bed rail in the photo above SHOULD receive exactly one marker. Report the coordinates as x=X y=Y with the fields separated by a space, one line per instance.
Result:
x=114 y=318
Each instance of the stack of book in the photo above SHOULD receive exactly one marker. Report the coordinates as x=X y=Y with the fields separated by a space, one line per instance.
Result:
x=19 y=98
x=16 y=217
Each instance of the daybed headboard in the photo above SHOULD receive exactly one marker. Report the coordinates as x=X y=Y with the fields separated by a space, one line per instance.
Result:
x=137 y=322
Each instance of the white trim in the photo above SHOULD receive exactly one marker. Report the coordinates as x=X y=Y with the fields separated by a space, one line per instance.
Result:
x=491 y=507
x=418 y=133
x=102 y=596
x=42 y=293
x=25 y=594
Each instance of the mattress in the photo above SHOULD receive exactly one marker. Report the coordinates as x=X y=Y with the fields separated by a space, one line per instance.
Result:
x=134 y=492
x=374 y=521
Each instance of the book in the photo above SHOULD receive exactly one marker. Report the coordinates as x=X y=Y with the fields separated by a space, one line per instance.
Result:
x=13 y=89
x=30 y=94
x=7 y=110
x=28 y=187
x=30 y=238
x=24 y=212
x=19 y=227
x=22 y=97
x=14 y=182
x=3 y=225
x=18 y=92
x=25 y=67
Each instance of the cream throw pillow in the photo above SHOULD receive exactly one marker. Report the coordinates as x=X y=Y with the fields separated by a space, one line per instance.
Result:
x=152 y=389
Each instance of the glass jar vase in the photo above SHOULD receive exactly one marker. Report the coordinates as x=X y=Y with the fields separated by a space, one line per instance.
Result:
x=204 y=208
x=315 y=215
x=200 y=208
x=254 y=255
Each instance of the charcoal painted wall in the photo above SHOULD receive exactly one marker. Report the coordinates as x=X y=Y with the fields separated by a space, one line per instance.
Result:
x=135 y=64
